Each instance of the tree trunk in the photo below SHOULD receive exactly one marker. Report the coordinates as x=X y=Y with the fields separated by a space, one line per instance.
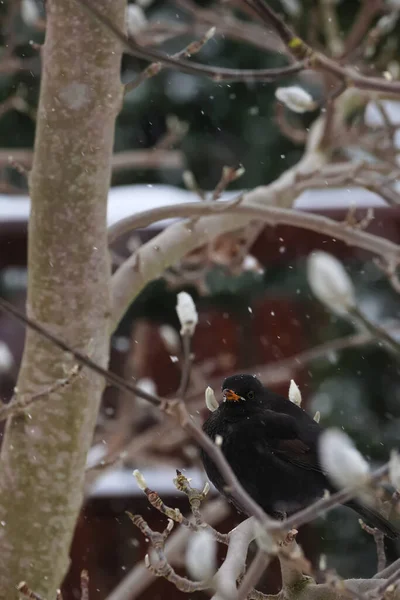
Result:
x=44 y=452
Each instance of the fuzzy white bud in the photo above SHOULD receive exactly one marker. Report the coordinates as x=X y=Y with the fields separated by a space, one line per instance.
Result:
x=201 y=555
x=322 y=562
x=294 y=393
x=29 y=12
x=317 y=416
x=341 y=460
x=295 y=98
x=147 y=385
x=170 y=338
x=218 y=440
x=135 y=19
x=211 y=401
x=394 y=469
x=6 y=358
x=187 y=313
x=140 y=480
x=330 y=283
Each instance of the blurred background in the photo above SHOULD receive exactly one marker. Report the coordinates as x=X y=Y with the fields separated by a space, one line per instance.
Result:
x=256 y=310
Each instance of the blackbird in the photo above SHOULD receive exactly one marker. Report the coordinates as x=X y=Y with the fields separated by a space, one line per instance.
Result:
x=271 y=445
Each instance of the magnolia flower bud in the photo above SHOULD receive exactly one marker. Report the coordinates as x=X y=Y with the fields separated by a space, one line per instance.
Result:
x=394 y=469
x=341 y=460
x=140 y=480
x=170 y=338
x=201 y=555
x=211 y=401
x=147 y=385
x=295 y=98
x=294 y=393
x=6 y=358
x=330 y=283
x=135 y=19
x=29 y=12
x=187 y=313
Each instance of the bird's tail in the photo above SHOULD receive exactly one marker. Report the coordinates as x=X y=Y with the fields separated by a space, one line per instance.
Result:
x=374 y=519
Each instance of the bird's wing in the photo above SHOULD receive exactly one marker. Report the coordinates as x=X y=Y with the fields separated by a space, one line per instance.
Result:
x=290 y=440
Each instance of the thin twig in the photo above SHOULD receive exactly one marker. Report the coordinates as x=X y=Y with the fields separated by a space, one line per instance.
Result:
x=320 y=506
x=25 y=591
x=156 y=67
x=379 y=539
x=163 y=568
x=229 y=174
x=300 y=50
x=377 y=331
x=215 y=73
x=196 y=497
x=186 y=363
x=119 y=382
x=19 y=404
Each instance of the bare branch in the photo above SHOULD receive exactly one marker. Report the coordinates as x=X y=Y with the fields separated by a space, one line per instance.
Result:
x=153 y=158
x=156 y=67
x=196 y=497
x=301 y=50
x=215 y=73
x=379 y=542
x=253 y=574
x=163 y=568
x=19 y=404
x=235 y=561
x=140 y=577
x=186 y=364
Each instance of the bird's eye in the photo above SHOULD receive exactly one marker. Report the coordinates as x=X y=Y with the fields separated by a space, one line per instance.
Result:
x=250 y=395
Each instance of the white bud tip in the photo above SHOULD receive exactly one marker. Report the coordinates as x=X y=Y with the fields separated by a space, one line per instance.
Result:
x=201 y=555
x=211 y=401
x=206 y=489
x=294 y=393
x=330 y=283
x=189 y=180
x=135 y=19
x=295 y=98
x=322 y=562
x=210 y=33
x=218 y=440
x=317 y=416
x=341 y=460
x=147 y=561
x=170 y=525
x=170 y=338
x=147 y=385
x=140 y=480
x=187 y=313
x=240 y=172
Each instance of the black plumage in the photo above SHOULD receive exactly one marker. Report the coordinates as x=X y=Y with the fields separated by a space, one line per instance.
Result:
x=271 y=445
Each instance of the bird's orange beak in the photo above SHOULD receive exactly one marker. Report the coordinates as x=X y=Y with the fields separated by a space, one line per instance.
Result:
x=231 y=396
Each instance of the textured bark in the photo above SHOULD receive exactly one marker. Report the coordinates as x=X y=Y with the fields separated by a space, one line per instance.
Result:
x=43 y=454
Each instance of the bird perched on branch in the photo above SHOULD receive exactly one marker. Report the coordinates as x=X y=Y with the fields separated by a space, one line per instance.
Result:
x=271 y=445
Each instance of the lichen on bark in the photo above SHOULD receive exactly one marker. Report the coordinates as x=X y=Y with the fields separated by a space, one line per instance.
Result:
x=44 y=452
